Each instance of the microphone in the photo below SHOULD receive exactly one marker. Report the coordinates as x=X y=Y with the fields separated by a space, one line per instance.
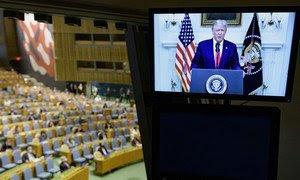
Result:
x=217 y=47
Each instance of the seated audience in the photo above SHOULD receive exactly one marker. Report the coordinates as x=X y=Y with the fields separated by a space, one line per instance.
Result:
x=29 y=156
x=82 y=120
x=1 y=133
x=13 y=112
x=80 y=130
x=37 y=113
x=102 y=149
x=31 y=116
x=50 y=124
x=136 y=142
x=74 y=130
x=16 y=129
x=43 y=136
x=71 y=143
x=98 y=99
x=6 y=145
x=105 y=106
x=135 y=133
x=107 y=125
x=123 y=116
x=64 y=165
x=102 y=135
x=135 y=137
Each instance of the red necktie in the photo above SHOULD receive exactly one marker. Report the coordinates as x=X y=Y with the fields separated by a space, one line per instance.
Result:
x=218 y=59
x=218 y=55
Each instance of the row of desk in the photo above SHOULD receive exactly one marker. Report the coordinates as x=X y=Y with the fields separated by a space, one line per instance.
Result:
x=19 y=170
x=85 y=126
x=53 y=112
x=74 y=173
x=37 y=146
x=118 y=159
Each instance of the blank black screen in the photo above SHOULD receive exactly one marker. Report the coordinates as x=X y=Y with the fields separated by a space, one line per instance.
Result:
x=216 y=145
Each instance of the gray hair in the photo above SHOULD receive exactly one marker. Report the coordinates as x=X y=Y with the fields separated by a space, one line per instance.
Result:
x=219 y=22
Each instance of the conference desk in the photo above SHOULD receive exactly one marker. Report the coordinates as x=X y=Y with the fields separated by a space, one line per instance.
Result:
x=118 y=159
x=8 y=152
x=74 y=173
x=37 y=147
x=21 y=125
x=33 y=132
x=68 y=153
x=19 y=170
x=9 y=118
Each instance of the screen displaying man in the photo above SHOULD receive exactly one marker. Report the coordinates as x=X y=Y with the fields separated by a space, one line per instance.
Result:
x=216 y=53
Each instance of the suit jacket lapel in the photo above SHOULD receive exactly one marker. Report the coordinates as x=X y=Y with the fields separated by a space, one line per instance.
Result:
x=212 y=57
x=224 y=54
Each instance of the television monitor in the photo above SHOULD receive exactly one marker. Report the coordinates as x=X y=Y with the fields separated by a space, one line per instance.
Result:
x=215 y=142
x=230 y=53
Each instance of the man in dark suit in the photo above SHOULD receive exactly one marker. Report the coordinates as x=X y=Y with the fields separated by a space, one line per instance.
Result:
x=64 y=165
x=6 y=145
x=29 y=156
x=102 y=149
x=216 y=53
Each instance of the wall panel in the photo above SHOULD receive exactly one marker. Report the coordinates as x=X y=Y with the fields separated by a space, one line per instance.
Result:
x=68 y=51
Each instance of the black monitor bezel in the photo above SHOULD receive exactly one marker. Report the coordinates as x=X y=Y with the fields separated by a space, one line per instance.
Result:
x=272 y=112
x=293 y=56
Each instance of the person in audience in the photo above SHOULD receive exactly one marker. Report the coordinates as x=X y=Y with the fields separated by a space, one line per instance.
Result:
x=98 y=99
x=64 y=165
x=50 y=124
x=61 y=104
x=108 y=94
x=102 y=135
x=80 y=89
x=82 y=120
x=12 y=112
x=31 y=116
x=102 y=149
x=77 y=109
x=116 y=103
x=37 y=114
x=29 y=156
x=80 y=130
x=94 y=91
x=61 y=115
x=6 y=145
x=1 y=133
x=16 y=129
x=124 y=114
x=122 y=94
x=107 y=125
x=7 y=102
x=74 y=129
x=70 y=143
x=136 y=142
x=105 y=106
x=43 y=136
x=128 y=94
x=135 y=133
x=43 y=110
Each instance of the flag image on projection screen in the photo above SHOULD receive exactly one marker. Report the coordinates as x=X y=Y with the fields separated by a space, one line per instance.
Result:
x=185 y=51
x=251 y=58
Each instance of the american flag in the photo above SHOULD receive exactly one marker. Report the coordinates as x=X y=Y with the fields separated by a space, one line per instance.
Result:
x=185 y=53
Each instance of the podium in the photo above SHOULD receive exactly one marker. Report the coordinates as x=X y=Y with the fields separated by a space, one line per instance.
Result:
x=217 y=81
